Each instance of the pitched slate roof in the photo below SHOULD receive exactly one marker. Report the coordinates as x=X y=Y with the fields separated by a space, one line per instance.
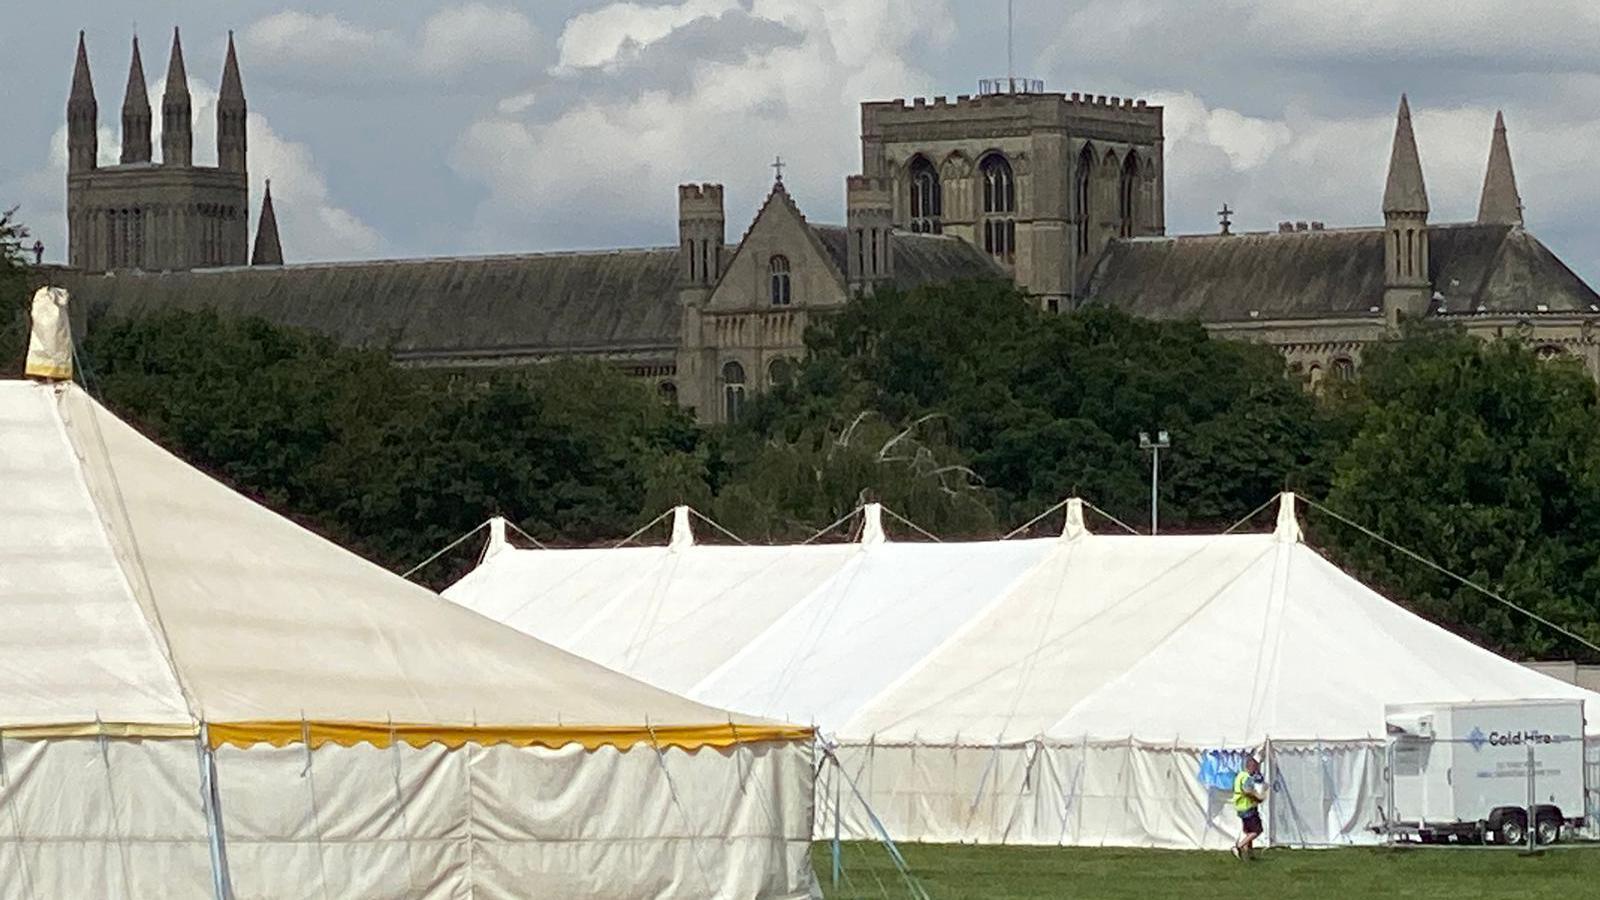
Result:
x=1313 y=274
x=918 y=258
x=534 y=304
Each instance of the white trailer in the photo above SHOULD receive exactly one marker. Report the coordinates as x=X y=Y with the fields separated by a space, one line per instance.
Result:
x=1473 y=771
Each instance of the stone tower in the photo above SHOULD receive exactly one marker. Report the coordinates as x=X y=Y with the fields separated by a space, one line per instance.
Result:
x=1500 y=203
x=702 y=252
x=140 y=214
x=1041 y=181
x=869 y=220
x=1406 y=285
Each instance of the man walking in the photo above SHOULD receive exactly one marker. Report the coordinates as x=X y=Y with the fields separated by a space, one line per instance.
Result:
x=1248 y=791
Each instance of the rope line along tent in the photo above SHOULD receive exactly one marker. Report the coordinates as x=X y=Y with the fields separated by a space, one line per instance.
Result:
x=983 y=686
x=288 y=681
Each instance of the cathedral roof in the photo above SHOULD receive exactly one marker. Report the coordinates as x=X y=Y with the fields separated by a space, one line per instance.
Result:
x=451 y=309
x=1340 y=273
x=444 y=308
x=918 y=258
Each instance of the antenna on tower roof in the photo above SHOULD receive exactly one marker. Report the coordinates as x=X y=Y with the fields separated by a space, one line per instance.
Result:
x=1010 y=84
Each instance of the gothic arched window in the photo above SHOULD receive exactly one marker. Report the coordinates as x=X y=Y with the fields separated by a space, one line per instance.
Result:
x=1344 y=369
x=732 y=391
x=1082 y=194
x=927 y=197
x=669 y=392
x=1128 y=196
x=779 y=371
x=778 y=288
x=999 y=206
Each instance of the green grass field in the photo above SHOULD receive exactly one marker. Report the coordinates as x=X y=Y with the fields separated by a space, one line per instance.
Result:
x=1012 y=873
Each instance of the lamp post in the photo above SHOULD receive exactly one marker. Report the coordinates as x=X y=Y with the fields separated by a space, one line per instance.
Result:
x=1162 y=442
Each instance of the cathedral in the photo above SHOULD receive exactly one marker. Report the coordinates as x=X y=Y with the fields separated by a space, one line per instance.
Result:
x=1063 y=194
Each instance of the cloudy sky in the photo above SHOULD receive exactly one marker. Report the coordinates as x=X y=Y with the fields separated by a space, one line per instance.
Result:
x=425 y=127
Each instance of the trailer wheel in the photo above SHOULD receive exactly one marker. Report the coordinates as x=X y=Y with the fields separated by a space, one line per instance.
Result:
x=1547 y=830
x=1510 y=827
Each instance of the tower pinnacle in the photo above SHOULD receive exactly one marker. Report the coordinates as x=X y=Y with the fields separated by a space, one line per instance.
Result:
x=136 y=118
x=1405 y=192
x=1500 y=203
x=83 y=116
x=231 y=111
x=268 y=250
x=177 y=127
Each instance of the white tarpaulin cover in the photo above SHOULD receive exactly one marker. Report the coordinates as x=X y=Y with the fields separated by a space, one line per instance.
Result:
x=1035 y=691
x=197 y=694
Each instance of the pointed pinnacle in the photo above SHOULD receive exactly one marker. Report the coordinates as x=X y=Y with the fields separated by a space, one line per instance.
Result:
x=1404 y=191
x=177 y=77
x=232 y=86
x=136 y=97
x=1500 y=203
x=82 y=82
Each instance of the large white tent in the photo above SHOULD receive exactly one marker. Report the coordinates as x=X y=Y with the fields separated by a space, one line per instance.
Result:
x=1059 y=690
x=200 y=698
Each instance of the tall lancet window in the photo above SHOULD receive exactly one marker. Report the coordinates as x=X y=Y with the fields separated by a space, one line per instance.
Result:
x=778 y=281
x=1082 y=195
x=732 y=391
x=1128 y=196
x=927 y=198
x=999 y=207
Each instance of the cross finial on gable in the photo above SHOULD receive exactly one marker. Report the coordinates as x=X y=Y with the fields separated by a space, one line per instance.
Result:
x=777 y=167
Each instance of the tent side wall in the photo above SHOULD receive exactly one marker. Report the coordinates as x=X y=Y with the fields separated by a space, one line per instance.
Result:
x=1096 y=793
x=125 y=817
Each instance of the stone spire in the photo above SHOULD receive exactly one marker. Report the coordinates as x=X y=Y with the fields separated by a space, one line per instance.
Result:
x=83 y=116
x=268 y=250
x=1500 y=203
x=177 y=125
x=231 y=111
x=1407 y=286
x=136 y=120
x=1405 y=192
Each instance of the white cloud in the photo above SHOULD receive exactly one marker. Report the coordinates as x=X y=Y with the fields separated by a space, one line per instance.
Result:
x=466 y=37
x=319 y=41
x=604 y=166
x=616 y=31
x=1304 y=166
x=455 y=42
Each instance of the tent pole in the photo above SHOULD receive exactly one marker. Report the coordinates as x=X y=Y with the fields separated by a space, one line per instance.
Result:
x=838 y=777
x=220 y=885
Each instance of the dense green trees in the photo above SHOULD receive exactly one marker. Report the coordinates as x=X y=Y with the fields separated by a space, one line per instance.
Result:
x=1486 y=460
x=959 y=406
x=13 y=296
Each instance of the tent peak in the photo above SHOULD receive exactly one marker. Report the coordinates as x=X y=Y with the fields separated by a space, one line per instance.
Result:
x=1074 y=528
x=1288 y=528
x=682 y=531
x=497 y=536
x=872 y=525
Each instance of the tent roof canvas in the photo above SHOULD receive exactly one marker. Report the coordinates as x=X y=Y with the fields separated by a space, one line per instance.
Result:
x=1205 y=640
x=138 y=590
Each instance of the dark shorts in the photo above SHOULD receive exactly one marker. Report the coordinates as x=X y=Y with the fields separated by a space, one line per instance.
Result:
x=1251 y=821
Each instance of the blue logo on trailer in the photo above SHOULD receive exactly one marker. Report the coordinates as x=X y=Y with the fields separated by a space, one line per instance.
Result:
x=1477 y=738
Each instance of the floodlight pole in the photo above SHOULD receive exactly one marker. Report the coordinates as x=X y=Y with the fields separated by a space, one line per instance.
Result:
x=1162 y=442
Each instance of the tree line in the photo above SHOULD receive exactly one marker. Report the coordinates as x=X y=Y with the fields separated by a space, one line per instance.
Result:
x=960 y=406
